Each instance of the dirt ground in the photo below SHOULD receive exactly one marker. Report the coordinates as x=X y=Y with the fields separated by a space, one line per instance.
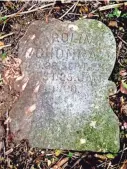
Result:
x=15 y=18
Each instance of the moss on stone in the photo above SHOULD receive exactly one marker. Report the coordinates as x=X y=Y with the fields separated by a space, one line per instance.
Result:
x=93 y=136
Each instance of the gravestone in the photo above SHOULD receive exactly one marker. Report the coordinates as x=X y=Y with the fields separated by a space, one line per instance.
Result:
x=65 y=95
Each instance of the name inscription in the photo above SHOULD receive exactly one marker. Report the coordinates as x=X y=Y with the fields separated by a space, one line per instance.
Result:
x=65 y=59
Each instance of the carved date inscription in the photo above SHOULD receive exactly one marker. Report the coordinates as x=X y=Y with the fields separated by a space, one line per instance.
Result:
x=63 y=59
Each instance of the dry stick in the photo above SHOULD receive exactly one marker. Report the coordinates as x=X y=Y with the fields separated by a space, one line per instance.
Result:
x=103 y=8
x=67 y=11
x=75 y=5
x=51 y=10
x=26 y=12
x=7 y=132
x=5 y=46
x=122 y=40
x=121 y=155
x=119 y=48
x=31 y=7
x=24 y=6
x=82 y=156
x=74 y=14
x=109 y=165
x=4 y=36
x=3 y=26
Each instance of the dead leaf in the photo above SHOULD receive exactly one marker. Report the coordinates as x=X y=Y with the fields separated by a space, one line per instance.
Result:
x=58 y=152
x=11 y=71
x=49 y=162
x=83 y=9
x=113 y=24
x=1 y=43
x=101 y=157
x=124 y=111
x=123 y=87
x=124 y=166
x=90 y=15
x=9 y=4
x=123 y=73
x=106 y=1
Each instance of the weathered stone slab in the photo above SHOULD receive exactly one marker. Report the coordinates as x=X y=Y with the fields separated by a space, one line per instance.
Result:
x=65 y=103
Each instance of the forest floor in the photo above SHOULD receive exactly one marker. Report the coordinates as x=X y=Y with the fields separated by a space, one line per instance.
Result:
x=15 y=17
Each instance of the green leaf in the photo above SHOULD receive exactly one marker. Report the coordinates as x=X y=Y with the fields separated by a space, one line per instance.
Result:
x=124 y=84
x=3 y=18
x=3 y=56
x=111 y=156
x=124 y=15
x=117 y=12
x=58 y=152
x=110 y=15
x=70 y=155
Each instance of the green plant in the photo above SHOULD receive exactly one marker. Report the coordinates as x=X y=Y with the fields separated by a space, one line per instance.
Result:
x=3 y=56
x=115 y=13
x=70 y=155
x=124 y=15
x=3 y=18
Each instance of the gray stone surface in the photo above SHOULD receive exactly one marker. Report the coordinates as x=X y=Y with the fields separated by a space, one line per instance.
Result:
x=65 y=103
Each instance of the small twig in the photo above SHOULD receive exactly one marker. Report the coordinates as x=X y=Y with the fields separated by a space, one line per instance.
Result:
x=4 y=36
x=121 y=63
x=102 y=164
x=60 y=163
x=67 y=11
x=77 y=162
x=23 y=7
x=119 y=48
x=47 y=16
x=9 y=151
x=74 y=14
x=121 y=155
x=103 y=8
x=109 y=165
x=31 y=7
x=122 y=150
x=7 y=128
x=122 y=40
x=3 y=26
x=5 y=46
x=26 y=12
x=75 y=5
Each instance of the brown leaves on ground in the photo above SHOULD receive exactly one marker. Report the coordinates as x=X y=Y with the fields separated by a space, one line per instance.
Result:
x=123 y=87
x=124 y=166
x=124 y=108
x=11 y=71
x=9 y=4
x=113 y=24
x=83 y=9
x=1 y=43
x=123 y=83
